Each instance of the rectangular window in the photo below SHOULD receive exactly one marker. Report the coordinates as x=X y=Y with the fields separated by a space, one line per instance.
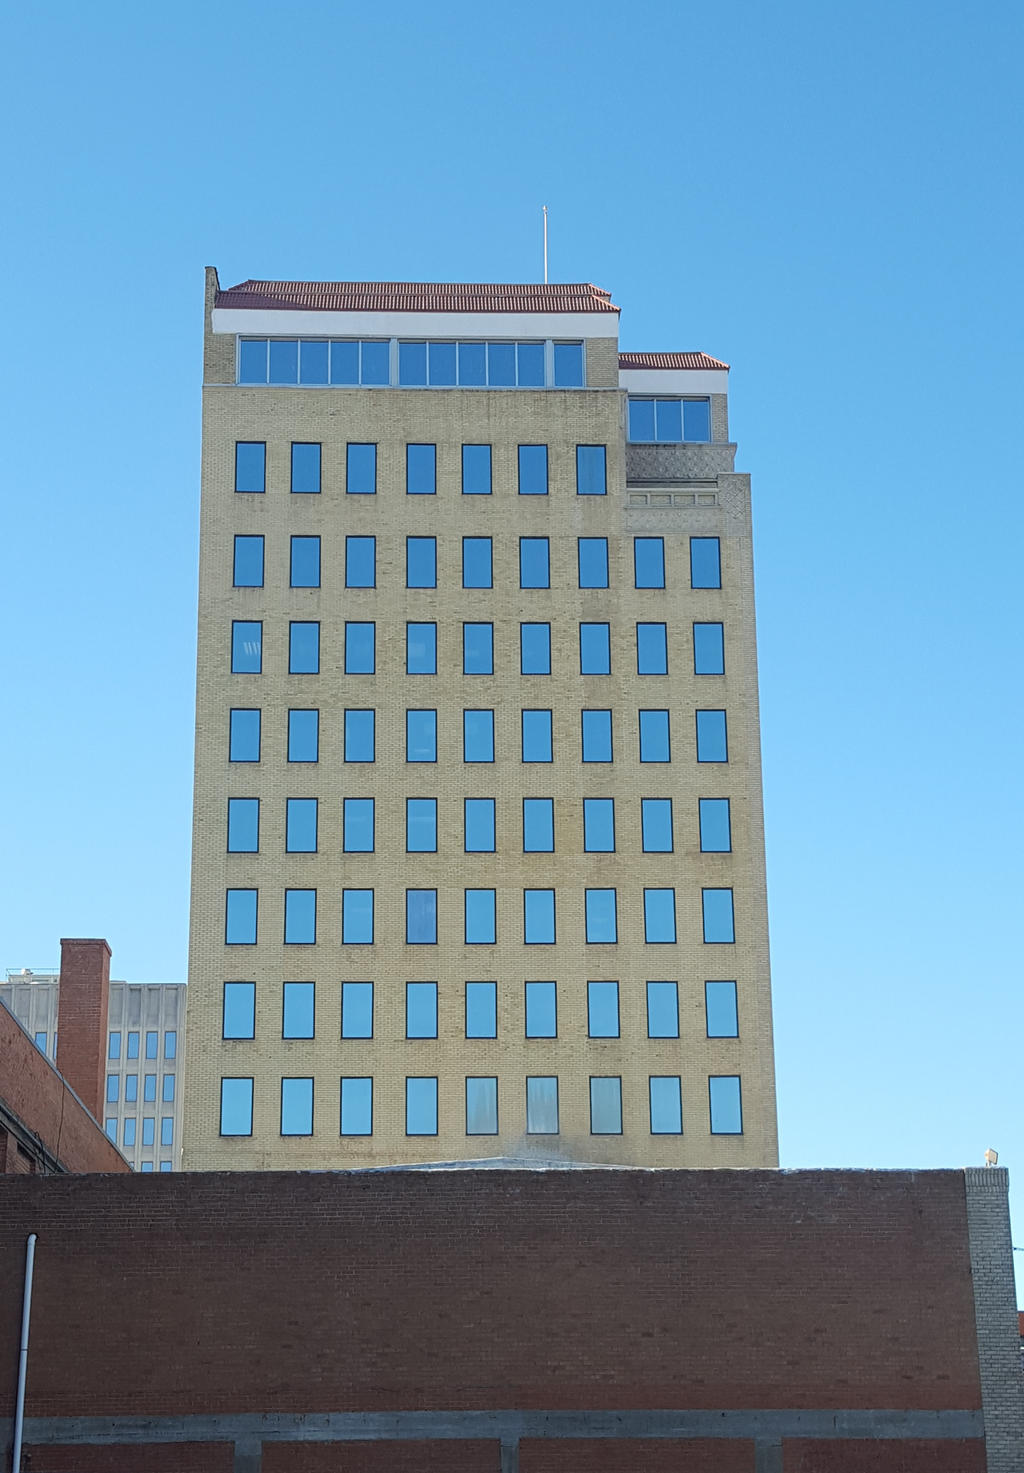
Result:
x=539 y=917
x=708 y=649
x=131 y=1088
x=113 y=1044
x=568 y=365
x=478 y=649
x=421 y=1106
x=133 y=1045
x=599 y=825
x=654 y=737
x=129 y=1132
x=602 y=1009
x=305 y=469
x=712 y=737
x=171 y=1043
x=421 y=562
x=244 y=735
x=542 y=1104
x=670 y=421
x=420 y=648
x=357 y=825
x=536 y=736
x=538 y=825
x=236 y=1107
x=478 y=825
x=152 y=1052
x=360 y=647
x=533 y=470
x=592 y=557
x=357 y=1010
x=705 y=562
x=726 y=1104
x=421 y=736
x=481 y=1010
x=662 y=1010
x=535 y=649
x=166 y=1166
x=299 y=1011
x=296 y=1107
x=649 y=562
x=480 y=917
x=412 y=365
x=300 y=917
x=360 y=735
x=715 y=828
x=149 y=1089
x=240 y=918
x=304 y=647
x=284 y=361
x=601 y=912
x=421 y=917
x=421 y=1010
x=300 y=826
x=534 y=562
x=541 y=1010
x=476 y=562
x=478 y=736
x=605 y=1105
x=595 y=649
x=651 y=649
x=250 y=466
x=591 y=470
x=421 y=470
x=238 y=1018
x=597 y=735
x=421 y=825
x=720 y=1008
x=248 y=562
x=113 y=1087
x=476 y=470
x=246 y=646
x=357 y=917
x=656 y=825
x=659 y=915
x=167 y=1130
x=40 y=1041
x=357 y=1106
x=361 y=470
x=360 y=562
x=481 y=1106
x=303 y=735
x=717 y=911
x=149 y=1134
x=666 y=1097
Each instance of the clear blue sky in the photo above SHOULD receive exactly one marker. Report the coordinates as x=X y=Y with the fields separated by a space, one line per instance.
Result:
x=827 y=196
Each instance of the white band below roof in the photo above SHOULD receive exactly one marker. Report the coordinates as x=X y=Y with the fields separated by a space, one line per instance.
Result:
x=281 y=324
x=671 y=381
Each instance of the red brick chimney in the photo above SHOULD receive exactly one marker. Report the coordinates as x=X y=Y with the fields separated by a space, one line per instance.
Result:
x=82 y=1019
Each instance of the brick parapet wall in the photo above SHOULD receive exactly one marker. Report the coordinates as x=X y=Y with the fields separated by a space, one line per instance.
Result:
x=84 y=1009
x=1002 y=1381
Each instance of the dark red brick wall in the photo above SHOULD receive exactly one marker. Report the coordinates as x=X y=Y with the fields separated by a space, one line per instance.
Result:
x=174 y=1457
x=382 y=1457
x=800 y=1455
x=640 y=1455
x=82 y=1021
x=467 y=1290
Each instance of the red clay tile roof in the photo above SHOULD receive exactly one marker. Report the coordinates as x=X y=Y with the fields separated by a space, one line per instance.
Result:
x=669 y=360
x=414 y=296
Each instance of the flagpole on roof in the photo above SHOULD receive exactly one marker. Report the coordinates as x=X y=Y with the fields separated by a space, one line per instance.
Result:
x=545 y=209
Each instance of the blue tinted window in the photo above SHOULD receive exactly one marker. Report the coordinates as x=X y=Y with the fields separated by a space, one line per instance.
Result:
x=501 y=365
x=605 y=1105
x=641 y=419
x=533 y=470
x=651 y=649
x=718 y=916
x=357 y=1010
x=421 y=736
x=300 y=917
x=715 y=829
x=361 y=470
x=252 y=361
x=358 y=818
x=593 y=562
x=421 y=649
x=421 y=917
x=597 y=735
x=473 y=365
x=301 y=826
x=240 y=918
x=305 y=562
x=421 y=562
x=360 y=562
x=481 y=1105
x=542 y=1104
x=654 y=737
x=357 y=917
x=412 y=364
x=239 y=1019
x=284 y=361
x=668 y=417
x=345 y=363
x=297 y=1017
x=374 y=363
x=662 y=1010
x=305 y=470
x=421 y=1107
x=649 y=562
x=720 y=1005
x=666 y=1105
x=312 y=361
x=539 y=917
x=595 y=649
x=534 y=570
x=480 y=917
x=656 y=825
x=708 y=649
x=535 y=649
x=421 y=1010
x=478 y=649
x=591 y=472
x=441 y=364
x=248 y=562
x=705 y=562
x=478 y=736
x=659 y=915
x=599 y=825
x=421 y=825
x=697 y=419
x=530 y=365
x=479 y=825
x=603 y=1009
x=296 y=1107
x=712 y=740
x=303 y=647
x=476 y=562
x=568 y=365
x=360 y=736
x=476 y=470
x=601 y=911
x=538 y=825
x=481 y=1010
x=725 y=1104
x=357 y=1106
x=360 y=651
x=236 y=1107
x=250 y=466
x=541 y=1010
x=243 y=825
x=421 y=470
x=244 y=739
x=536 y=736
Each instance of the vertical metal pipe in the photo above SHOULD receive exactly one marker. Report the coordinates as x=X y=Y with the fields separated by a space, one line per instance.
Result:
x=26 y=1315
